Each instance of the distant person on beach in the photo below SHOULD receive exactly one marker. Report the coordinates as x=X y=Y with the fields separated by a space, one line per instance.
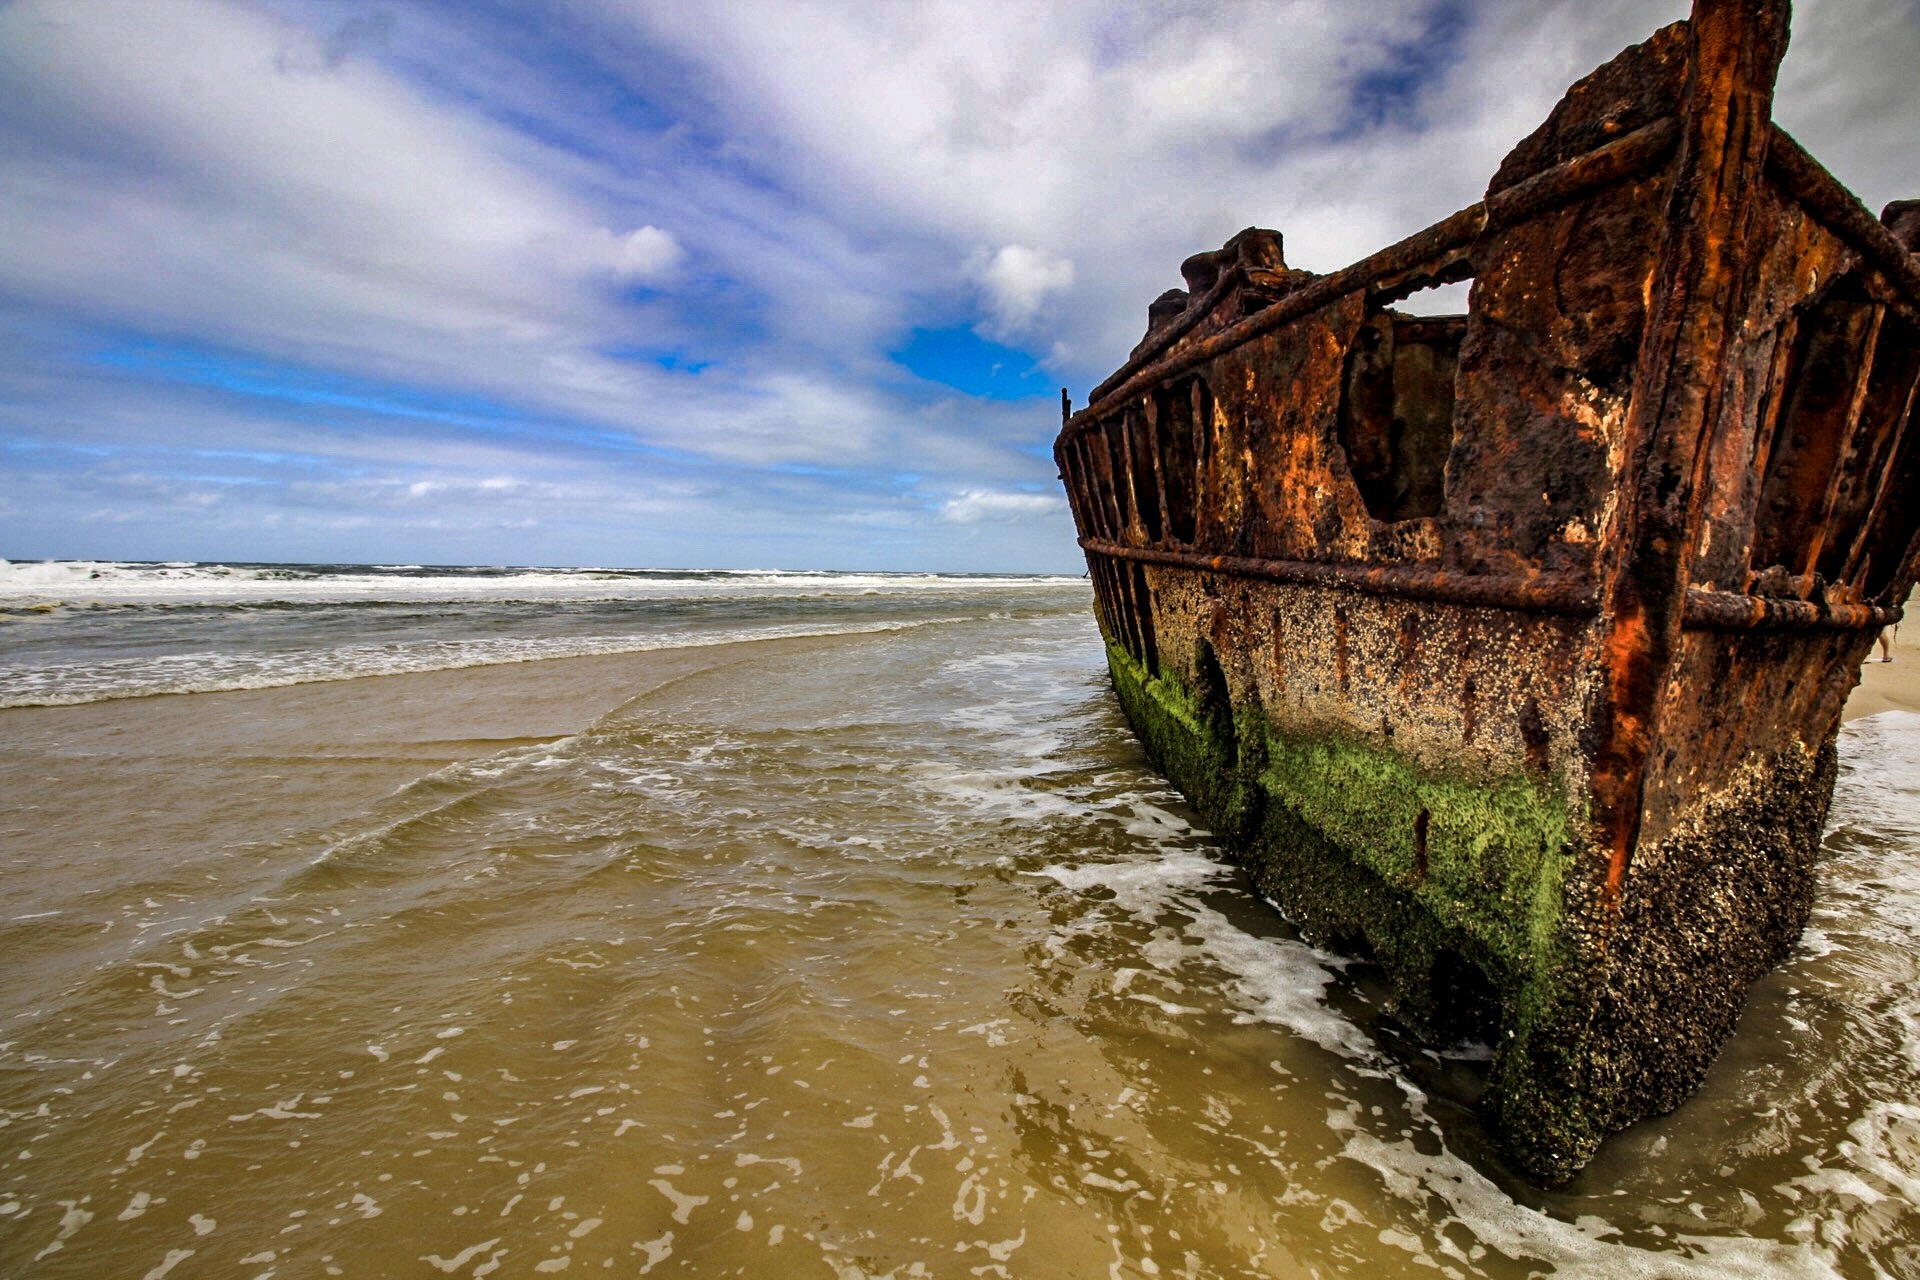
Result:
x=1886 y=642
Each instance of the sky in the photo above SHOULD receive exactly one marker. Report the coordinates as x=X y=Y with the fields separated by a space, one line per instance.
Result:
x=742 y=285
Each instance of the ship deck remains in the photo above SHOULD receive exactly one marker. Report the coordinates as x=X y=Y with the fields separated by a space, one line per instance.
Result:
x=1509 y=648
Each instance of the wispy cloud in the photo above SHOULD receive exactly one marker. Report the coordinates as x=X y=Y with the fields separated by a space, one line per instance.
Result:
x=976 y=505
x=1017 y=282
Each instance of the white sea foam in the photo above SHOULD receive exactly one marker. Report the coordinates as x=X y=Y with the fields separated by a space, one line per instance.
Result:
x=1457 y=1193
x=123 y=582
x=86 y=631
x=1273 y=980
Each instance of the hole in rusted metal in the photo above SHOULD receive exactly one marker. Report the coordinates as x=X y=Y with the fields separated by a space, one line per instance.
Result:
x=1176 y=430
x=1434 y=279
x=1146 y=473
x=1888 y=419
x=1817 y=409
x=1396 y=410
x=1113 y=431
x=1202 y=422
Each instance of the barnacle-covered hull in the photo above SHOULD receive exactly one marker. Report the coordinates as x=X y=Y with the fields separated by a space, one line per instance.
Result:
x=1510 y=648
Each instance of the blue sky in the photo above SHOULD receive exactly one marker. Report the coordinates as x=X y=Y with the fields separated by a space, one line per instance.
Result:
x=782 y=285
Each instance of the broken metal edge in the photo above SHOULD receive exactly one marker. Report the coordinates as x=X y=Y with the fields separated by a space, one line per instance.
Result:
x=1615 y=162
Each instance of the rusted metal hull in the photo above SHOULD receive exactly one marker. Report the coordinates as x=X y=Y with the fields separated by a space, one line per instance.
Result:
x=1510 y=648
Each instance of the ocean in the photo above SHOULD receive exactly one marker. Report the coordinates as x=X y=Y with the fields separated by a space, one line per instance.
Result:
x=400 y=920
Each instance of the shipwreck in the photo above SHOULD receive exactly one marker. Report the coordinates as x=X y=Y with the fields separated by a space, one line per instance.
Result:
x=1509 y=648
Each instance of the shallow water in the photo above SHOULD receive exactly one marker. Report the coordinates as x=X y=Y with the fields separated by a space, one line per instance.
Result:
x=874 y=954
x=85 y=631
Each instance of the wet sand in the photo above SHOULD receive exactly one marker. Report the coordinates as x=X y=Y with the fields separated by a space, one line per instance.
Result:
x=1889 y=686
x=192 y=764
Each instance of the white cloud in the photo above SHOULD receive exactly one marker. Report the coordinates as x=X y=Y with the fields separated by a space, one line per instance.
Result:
x=646 y=254
x=194 y=179
x=1017 y=282
x=976 y=505
x=1126 y=136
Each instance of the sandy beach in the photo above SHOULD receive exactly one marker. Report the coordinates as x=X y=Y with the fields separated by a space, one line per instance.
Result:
x=1889 y=686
